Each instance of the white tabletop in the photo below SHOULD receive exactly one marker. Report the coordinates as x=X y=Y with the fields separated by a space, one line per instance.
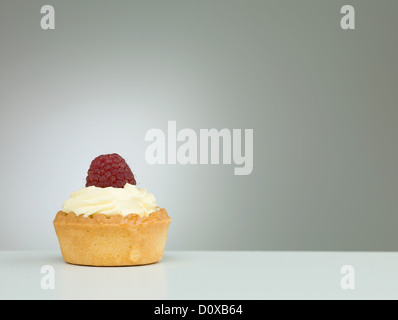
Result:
x=204 y=275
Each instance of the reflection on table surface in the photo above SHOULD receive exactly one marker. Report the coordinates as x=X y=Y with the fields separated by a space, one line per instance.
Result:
x=205 y=275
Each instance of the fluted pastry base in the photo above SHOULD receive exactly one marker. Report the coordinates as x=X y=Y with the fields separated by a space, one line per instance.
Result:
x=101 y=240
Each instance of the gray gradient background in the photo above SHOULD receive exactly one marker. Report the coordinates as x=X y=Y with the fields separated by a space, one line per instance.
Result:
x=322 y=103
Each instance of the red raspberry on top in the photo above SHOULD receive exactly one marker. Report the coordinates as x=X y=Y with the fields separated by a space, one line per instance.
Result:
x=109 y=170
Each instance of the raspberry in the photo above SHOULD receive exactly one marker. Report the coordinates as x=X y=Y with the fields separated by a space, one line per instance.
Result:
x=109 y=170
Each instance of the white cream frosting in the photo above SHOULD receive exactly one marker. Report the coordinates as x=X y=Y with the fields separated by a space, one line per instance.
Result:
x=111 y=201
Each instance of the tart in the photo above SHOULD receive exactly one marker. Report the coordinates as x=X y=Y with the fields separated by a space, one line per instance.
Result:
x=109 y=225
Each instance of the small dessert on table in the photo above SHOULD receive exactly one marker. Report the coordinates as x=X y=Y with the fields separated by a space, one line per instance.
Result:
x=111 y=222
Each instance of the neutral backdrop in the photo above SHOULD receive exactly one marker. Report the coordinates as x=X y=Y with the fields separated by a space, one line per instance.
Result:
x=323 y=104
